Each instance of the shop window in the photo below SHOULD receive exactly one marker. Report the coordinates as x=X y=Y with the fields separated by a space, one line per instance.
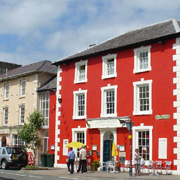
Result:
x=18 y=141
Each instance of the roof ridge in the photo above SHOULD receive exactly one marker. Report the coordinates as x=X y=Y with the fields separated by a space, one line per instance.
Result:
x=176 y=25
x=41 y=65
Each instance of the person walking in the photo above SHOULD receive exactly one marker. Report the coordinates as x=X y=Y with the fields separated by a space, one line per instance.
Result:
x=71 y=158
x=137 y=161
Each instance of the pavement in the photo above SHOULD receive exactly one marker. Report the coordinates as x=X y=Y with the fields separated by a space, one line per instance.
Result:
x=96 y=175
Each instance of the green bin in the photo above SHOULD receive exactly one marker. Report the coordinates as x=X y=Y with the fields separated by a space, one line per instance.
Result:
x=50 y=160
x=44 y=160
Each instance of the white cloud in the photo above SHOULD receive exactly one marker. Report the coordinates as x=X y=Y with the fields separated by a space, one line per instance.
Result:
x=51 y=29
x=23 y=17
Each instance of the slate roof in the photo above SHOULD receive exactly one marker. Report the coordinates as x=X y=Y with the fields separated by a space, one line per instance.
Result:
x=145 y=35
x=42 y=66
x=48 y=85
x=6 y=65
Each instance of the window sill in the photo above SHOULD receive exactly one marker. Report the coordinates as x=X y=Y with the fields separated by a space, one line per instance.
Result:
x=143 y=113
x=78 y=82
x=79 y=118
x=108 y=77
x=135 y=71
x=109 y=115
x=21 y=97
x=45 y=127
x=6 y=99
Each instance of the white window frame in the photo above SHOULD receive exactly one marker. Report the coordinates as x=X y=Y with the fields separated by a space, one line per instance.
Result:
x=77 y=71
x=17 y=141
x=43 y=103
x=5 y=115
x=104 y=66
x=74 y=136
x=22 y=89
x=137 y=52
x=20 y=114
x=136 y=129
x=103 y=100
x=46 y=139
x=6 y=91
x=65 y=149
x=136 y=97
x=75 y=105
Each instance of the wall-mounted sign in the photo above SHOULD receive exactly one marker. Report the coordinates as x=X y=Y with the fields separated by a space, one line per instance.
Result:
x=103 y=123
x=162 y=150
x=94 y=147
x=164 y=116
x=121 y=148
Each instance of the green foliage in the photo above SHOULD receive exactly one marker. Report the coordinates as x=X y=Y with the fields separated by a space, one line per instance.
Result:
x=95 y=163
x=29 y=132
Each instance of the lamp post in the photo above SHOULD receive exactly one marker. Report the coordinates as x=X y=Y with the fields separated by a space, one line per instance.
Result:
x=127 y=120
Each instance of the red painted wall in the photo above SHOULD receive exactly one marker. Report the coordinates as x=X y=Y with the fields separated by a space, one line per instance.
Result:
x=162 y=97
x=52 y=120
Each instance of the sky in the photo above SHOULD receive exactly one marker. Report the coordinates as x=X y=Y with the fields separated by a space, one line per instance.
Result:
x=36 y=30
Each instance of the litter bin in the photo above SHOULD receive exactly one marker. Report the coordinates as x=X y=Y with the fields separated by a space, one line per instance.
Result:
x=44 y=160
x=50 y=160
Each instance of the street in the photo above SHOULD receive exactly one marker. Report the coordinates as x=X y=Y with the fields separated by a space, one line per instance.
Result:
x=61 y=174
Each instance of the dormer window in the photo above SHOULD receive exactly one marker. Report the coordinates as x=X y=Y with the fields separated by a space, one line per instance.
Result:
x=109 y=66
x=142 y=59
x=81 y=72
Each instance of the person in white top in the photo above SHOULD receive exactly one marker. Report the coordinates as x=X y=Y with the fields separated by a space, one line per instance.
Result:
x=137 y=161
x=83 y=163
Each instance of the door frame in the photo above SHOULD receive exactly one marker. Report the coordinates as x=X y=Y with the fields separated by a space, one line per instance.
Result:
x=102 y=132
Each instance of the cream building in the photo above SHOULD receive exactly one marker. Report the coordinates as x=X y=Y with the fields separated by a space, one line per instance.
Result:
x=19 y=98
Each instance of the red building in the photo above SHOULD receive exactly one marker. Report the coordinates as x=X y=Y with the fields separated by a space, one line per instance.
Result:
x=133 y=76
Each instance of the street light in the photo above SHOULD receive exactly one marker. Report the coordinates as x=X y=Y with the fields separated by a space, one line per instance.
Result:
x=127 y=120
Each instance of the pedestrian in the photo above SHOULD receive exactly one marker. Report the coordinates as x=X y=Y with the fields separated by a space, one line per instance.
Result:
x=137 y=161
x=82 y=162
x=71 y=158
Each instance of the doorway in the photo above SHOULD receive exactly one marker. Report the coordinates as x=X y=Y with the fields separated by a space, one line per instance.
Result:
x=3 y=141
x=107 y=146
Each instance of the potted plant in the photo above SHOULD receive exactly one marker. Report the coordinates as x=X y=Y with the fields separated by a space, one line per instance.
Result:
x=94 y=165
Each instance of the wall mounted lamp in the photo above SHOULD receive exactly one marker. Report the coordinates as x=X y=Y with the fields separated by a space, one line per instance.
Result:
x=59 y=100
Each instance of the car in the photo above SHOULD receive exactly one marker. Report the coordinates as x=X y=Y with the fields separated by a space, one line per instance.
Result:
x=13 y=156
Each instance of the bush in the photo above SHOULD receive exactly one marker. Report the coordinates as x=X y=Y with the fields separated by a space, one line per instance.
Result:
x=95 y=163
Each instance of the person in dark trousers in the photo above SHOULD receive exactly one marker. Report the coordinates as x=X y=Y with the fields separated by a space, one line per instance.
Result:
x=71 y=158
x=80 y=163
x=83 y=163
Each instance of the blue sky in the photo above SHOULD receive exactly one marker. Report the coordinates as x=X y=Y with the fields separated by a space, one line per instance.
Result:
x=35 y=30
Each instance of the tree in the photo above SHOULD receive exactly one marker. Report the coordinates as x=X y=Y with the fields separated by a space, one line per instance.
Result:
x=29 y=132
